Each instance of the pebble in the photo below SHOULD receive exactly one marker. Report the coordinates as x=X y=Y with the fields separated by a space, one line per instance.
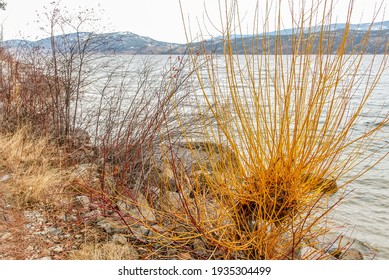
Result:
x=119 y=239
x=82 y=200
x=105 y=225
x=30 y=248
x=67 y=218
x=54 y=231
x=93 y=215
x=6 y=235
x=34 y=217
x=56 y=249
x=5 y=178
x=46 y=252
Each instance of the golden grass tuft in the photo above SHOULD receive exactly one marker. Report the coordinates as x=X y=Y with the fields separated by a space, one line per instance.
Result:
x=34 y=165
x=105 y=251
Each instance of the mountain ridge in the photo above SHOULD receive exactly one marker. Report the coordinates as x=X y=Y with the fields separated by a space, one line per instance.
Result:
x=130 y=43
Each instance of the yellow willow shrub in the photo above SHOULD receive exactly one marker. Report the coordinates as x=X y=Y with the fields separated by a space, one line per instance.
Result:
x=287 y=113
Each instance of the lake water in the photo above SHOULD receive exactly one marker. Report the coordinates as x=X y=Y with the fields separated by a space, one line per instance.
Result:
x=364 y=214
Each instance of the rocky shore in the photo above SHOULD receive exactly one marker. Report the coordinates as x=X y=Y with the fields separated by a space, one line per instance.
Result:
x=87 y=226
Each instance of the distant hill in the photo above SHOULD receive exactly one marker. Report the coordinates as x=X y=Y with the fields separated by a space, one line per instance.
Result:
x=130 y=43
x=115 y=42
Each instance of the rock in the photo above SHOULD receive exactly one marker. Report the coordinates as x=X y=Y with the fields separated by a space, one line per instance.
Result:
x=46 y=252
x=30 y=248
x=92 y=216
x=39 y=233
x=82 y=200
x=143 y=211
x=141 y=233
x=199 y=247
x=111 y=227
x=105 y=225
x=172 y=199
x=190 y=157
x=310 y=253
x=67 y=217
x=119 y=239
x=34 y=217
x=6 y=235
x=351 y=254
x=5 y=178
x=54 y=231
x=56 y=249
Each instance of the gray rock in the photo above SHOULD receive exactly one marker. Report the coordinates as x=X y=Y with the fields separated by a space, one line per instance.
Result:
x=92 y=216
x=54 y=231
x=143 y=212
x=56 y=249
x=67 y=218
x=82 y=200
x=34 y=217
x=119 y=239
x=111 y=227
x=105 y=225
x=141 y=233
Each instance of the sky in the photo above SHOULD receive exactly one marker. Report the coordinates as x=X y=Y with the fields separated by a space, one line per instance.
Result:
x=160 y=19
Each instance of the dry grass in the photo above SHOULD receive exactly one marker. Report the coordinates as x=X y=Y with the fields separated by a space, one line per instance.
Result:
x=105 y=251
x=35 y=167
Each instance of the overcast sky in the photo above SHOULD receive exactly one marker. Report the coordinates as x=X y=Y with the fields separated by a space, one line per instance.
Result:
x=158 y=19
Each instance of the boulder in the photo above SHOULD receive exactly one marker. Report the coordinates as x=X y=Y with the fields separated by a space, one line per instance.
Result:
x=351 y=254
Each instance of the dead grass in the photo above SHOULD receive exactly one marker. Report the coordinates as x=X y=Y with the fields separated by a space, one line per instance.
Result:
x=34 y=166
x=105 y=251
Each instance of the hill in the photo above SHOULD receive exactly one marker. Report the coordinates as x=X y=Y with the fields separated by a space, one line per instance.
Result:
x=374 y=38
